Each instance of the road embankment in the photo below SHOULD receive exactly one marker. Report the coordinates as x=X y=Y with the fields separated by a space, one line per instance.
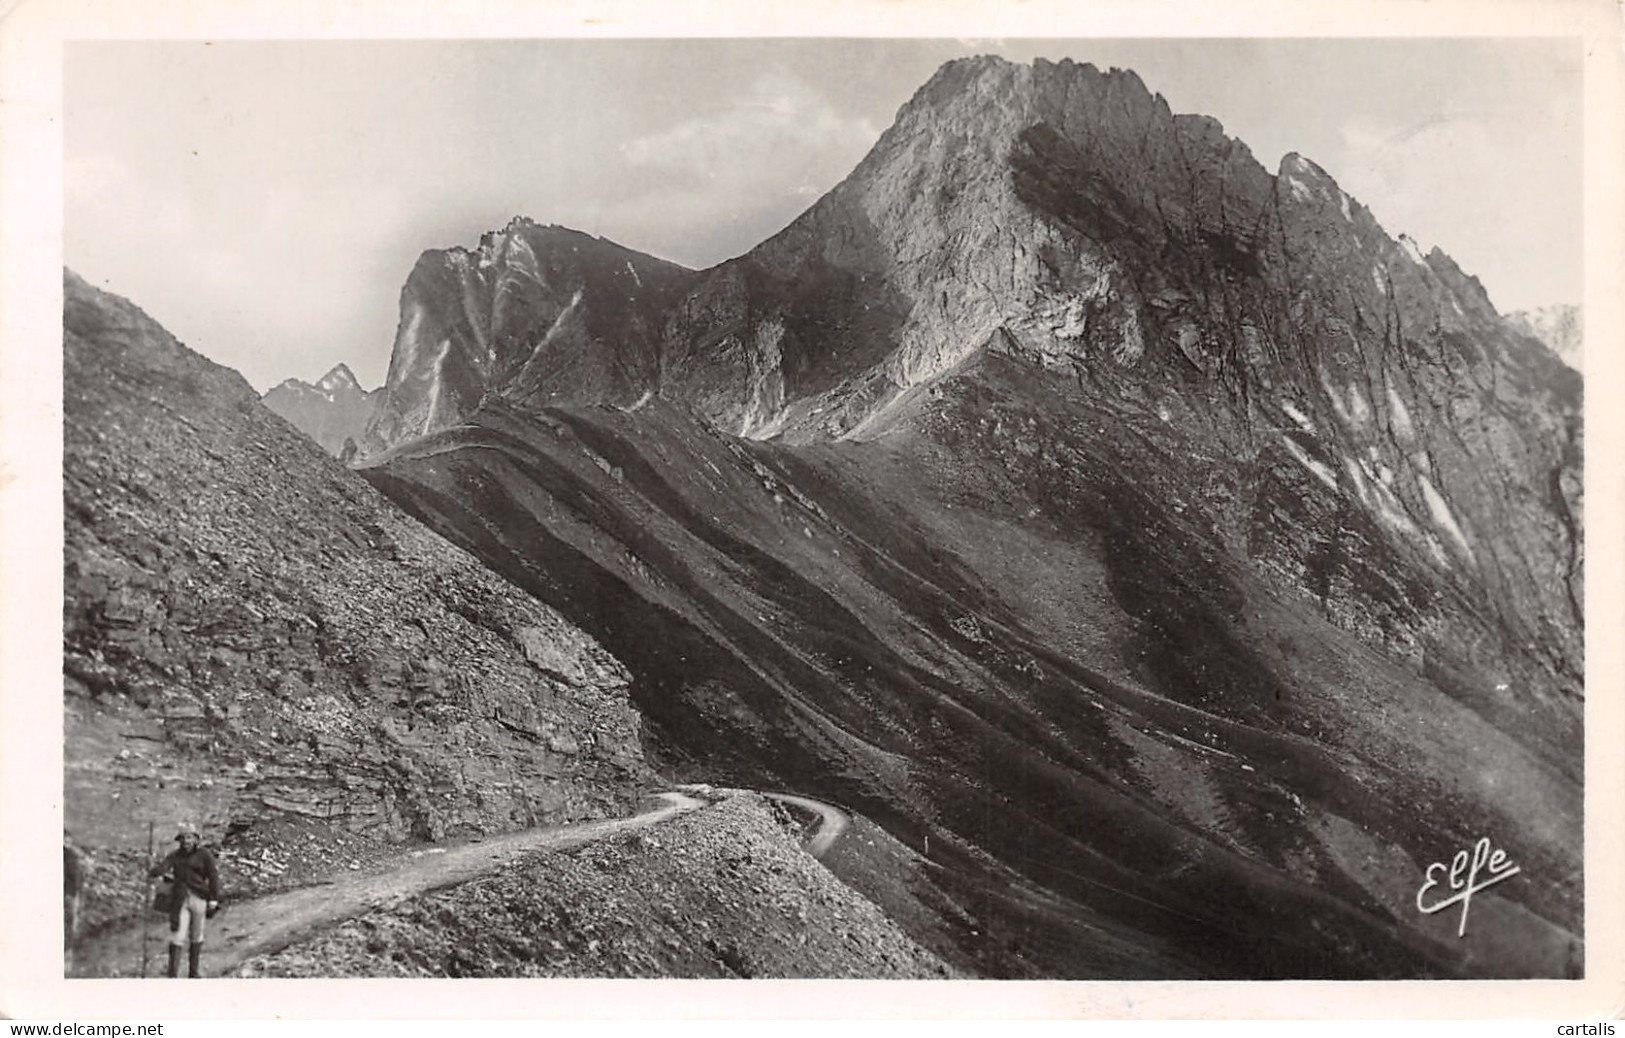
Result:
x=722 y=892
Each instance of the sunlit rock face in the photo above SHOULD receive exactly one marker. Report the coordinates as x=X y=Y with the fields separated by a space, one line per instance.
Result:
x=532 y=313
x=1062 y=473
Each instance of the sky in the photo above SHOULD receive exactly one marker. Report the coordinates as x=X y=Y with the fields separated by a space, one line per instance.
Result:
x=265 y=201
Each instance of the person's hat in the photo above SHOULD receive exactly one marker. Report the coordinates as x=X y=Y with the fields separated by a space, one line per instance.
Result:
x=184 y=830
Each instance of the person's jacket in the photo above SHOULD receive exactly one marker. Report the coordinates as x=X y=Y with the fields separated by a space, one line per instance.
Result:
x=193 y=870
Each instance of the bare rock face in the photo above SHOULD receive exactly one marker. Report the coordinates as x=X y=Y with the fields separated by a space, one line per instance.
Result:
x=1067 y=486
x=257 y=642
x=334 y=412
x=531 y=310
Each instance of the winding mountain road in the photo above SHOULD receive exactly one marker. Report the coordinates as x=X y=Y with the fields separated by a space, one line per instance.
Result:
x=266 y=924
x=832 y=821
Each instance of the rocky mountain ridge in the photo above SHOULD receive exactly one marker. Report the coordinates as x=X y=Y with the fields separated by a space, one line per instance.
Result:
x=531 y=307
x=1066 y=215
x=335 y=411
x=984 y=137
x=1061 y=435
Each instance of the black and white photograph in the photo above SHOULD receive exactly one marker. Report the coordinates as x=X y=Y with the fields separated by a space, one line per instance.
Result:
x=686 y=505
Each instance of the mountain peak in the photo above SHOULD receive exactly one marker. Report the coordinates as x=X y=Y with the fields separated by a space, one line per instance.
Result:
x=1078 y=177
x=338 y=377
x=330 y=412
x=1296 y=163
x=547 y=311
x=1044 y=317
x=1050 y=85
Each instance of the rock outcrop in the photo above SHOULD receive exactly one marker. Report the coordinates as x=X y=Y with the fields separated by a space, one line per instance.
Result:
x=257 y=642
x=334 y=412
x=529 y=312
x=1069 y=489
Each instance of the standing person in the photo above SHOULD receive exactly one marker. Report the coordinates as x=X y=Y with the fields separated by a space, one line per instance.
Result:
x=194 y=895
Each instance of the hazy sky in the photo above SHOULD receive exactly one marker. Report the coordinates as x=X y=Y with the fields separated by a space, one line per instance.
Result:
x=266 y=200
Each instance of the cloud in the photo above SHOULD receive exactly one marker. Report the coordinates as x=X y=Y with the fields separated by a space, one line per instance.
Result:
x=783 y=135
x=718 y=183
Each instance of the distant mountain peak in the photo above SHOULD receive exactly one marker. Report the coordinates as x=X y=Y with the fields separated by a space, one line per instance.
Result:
x=334 y=410
x=338 y=378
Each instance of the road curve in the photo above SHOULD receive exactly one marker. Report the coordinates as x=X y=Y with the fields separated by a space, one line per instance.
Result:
x=266 y=924
x=832 y=821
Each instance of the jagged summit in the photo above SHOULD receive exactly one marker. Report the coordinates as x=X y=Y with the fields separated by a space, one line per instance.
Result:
x=985 y=73
x=339 y=378
x=534 y=232
x=535 y=311
x=334 y=411
x=1041 y=161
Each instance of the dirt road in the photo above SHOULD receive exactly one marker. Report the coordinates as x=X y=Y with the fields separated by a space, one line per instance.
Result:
x=832 y=821
x=268 y=923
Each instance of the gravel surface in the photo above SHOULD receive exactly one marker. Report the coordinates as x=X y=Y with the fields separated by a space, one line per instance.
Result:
x=724 y=892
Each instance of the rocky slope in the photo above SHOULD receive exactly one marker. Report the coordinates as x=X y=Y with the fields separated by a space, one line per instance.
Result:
x=1069 y=492
x=724 y=893
x=334 y=412
x=1560 y=328
x=256 y=641
x=1086 y=715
